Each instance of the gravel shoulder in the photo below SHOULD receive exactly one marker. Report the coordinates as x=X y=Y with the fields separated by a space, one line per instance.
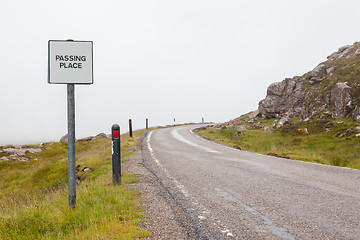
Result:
x=165 y=217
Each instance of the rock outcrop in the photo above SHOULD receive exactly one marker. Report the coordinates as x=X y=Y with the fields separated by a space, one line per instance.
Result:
x=87 y=139
x=18 y=153
x=331 y=89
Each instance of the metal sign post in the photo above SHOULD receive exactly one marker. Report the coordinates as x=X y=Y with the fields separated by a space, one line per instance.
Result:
x=70 y=62
x=147 y=124
x=71 y=144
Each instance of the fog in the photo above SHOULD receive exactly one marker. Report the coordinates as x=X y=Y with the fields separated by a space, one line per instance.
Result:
x=159 y=59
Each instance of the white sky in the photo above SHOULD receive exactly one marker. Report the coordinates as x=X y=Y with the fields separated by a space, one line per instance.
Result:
x=183 y=59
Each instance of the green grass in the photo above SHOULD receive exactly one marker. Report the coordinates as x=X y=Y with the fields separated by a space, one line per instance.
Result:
x=320 y=146
x=34 y=195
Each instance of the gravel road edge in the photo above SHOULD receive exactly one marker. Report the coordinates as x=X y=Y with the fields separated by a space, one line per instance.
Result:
x=165 y=217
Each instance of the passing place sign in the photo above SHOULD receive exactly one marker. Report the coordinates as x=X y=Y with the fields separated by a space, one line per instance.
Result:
x=70 y=62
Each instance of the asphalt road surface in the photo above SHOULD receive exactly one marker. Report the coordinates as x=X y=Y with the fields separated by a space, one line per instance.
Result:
x=233 y=194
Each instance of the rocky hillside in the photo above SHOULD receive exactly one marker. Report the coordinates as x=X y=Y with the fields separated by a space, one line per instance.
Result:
x=331 y=89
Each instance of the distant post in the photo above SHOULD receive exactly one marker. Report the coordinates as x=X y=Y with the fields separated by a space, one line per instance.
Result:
x=130 y=128
x=116 y=154
x=202 y=120
x=147 y=124
x=70 y=62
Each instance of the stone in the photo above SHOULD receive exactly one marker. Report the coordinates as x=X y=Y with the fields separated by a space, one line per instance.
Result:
x=273 y=125
x=342 y=52
x=64 y=138
x=86 y=139
x=268 y=128
x=237 y=134
x=4 y=158
x=357 y=135
x=14 y=151
x=315 y=80
x=100 y=136
x=284 y=98
x=283 y=121
x=241 y=127
x=254 y=114
x=86 y=169
x=276 y=89
x=306 y=131
x=330 y=70
x=318 y=71
x=356 y=113
x=33 y=150
x=341 y=100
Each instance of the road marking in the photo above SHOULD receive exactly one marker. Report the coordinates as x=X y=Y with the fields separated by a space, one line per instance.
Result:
x=205 y=213
x=271 y=226
x=206 y=140
x=177 y=184
x=175 y=134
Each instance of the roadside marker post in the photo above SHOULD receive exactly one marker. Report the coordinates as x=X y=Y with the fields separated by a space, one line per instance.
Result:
x=130 y=128
x=116 y=154
x=70 y=62
x=147 y=123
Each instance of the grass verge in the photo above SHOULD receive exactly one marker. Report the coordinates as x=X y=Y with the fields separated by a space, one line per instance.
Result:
x=34 y=195
x=326 y=142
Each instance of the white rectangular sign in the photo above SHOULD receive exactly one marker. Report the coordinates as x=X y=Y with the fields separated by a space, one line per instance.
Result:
x=70 y=62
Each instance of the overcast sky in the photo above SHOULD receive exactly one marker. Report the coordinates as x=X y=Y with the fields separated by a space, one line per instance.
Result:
x=161 y=60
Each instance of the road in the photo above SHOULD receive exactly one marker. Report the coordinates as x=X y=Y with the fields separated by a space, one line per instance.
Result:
x=233 y=194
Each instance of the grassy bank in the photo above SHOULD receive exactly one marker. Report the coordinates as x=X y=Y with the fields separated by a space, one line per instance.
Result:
x=34 y=195
x=321 y=141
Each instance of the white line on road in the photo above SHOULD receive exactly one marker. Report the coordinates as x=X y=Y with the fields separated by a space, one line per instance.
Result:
x=177 y=136
x=177 y=184
x=203 y=210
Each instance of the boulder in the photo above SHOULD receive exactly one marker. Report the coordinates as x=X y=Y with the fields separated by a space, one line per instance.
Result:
x=4 y=158
x=273 y=125
x=237 y=134
x=86 y=139
x=64 y=138
x=342 y=52
x=86 y=169
x=270 y=106
x=276 y=89
x=318 y=71
x=241 y=127
x=285 y=98
x=356 y=113
x=100 y=136
x=330 y=70
x=341 y=100
x=283 y=121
